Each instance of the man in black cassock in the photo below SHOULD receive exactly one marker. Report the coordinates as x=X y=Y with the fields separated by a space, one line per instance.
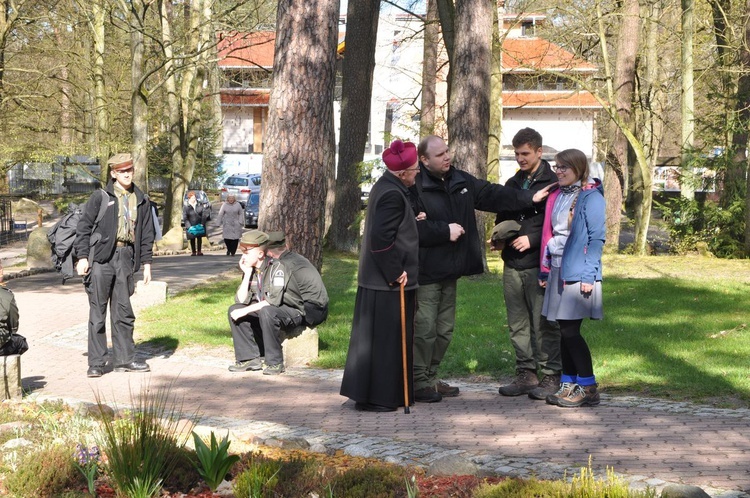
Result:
x=374 y=376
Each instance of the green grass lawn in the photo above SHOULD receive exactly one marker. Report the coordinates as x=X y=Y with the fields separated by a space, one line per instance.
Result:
x=673 y=328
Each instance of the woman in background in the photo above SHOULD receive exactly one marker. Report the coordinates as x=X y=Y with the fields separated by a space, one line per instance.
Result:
x=192 y=214
x=571 y=271
x=232 y=221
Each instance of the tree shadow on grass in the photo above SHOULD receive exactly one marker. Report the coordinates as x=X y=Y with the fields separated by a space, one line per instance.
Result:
x=661 y=337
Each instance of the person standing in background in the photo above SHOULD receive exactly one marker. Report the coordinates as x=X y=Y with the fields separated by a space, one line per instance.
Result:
x=231 y=221
x=192 y=215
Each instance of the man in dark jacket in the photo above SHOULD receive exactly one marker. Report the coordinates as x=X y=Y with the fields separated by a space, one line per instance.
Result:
x=535 y=340
x=120 y=243
x=449 y=248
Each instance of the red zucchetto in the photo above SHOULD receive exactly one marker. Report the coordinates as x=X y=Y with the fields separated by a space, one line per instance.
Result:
x=400 y=155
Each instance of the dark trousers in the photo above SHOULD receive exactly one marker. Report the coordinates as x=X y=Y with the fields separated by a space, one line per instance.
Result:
x=261 y=333
x=111 y=282
x=231 y=245
x=193 y=244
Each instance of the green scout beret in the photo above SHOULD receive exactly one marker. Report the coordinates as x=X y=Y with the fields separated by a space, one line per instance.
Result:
x=505 y=230
x=254 y=238
x=276 y=239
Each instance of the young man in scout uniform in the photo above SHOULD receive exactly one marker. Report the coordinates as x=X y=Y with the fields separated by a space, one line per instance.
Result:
x=121 y=241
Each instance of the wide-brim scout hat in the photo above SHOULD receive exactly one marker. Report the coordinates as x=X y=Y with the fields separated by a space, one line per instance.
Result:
x=254 y=238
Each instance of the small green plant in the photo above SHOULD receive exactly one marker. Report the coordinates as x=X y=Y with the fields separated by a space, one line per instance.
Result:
x=257 y=480
x=215 y=461
x=87 y=461
x=412 y=490
x=140 y=445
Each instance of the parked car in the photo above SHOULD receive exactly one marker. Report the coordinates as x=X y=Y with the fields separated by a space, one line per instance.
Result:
x=202 y=198
x=251 y=210
x=240 y=186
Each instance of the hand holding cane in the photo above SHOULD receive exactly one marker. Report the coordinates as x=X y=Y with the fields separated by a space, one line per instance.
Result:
x=403 y=350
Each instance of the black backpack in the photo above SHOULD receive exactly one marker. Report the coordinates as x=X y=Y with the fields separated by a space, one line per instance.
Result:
x=63 y=235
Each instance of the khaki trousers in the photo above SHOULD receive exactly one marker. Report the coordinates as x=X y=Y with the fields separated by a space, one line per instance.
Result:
x=433 y=329
x=536 y=340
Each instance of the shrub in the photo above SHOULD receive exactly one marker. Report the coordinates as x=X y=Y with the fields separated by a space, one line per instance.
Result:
x=691 y=222
x=302 y=477
x=258 y=480
x=45 y=473
x=140 y=447
x=373 y=482
x=517 y=488
x=583 y=485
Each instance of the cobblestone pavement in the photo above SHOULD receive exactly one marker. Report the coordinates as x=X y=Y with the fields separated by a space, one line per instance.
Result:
x=648 y=442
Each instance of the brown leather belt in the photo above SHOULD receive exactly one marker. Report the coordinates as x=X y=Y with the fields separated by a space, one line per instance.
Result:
x=124 y=244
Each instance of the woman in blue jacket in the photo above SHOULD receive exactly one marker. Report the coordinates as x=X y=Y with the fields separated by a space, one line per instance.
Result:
x=571 y=271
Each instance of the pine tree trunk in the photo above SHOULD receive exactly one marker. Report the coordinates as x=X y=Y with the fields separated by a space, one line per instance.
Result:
x=469 y=118
x=300 y=142
x=356 y=95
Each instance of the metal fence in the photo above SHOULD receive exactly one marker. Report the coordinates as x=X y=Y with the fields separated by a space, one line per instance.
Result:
x=70 y=175
x=11 y=229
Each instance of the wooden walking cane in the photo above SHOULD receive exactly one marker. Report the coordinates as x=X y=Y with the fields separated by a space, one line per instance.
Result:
x=403 y=350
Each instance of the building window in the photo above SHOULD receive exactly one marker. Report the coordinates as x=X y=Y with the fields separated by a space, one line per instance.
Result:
x=528 y=28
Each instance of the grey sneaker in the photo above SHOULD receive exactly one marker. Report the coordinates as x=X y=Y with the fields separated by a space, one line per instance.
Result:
x=525 y=381
x=563 y=391
x=548 y=385
x=244 y=366
x=274 y=369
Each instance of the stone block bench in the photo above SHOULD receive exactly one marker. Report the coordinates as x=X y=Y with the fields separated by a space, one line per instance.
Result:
x=300 y=347
x=11 y=376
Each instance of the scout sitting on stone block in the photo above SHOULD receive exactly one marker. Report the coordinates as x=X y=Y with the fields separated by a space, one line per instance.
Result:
x=280 y=292
x=10 y=342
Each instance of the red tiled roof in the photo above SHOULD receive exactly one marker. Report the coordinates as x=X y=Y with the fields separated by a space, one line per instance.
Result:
x=243 y=97
x=536 y=53
x=239 y=49
x=550 y=99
